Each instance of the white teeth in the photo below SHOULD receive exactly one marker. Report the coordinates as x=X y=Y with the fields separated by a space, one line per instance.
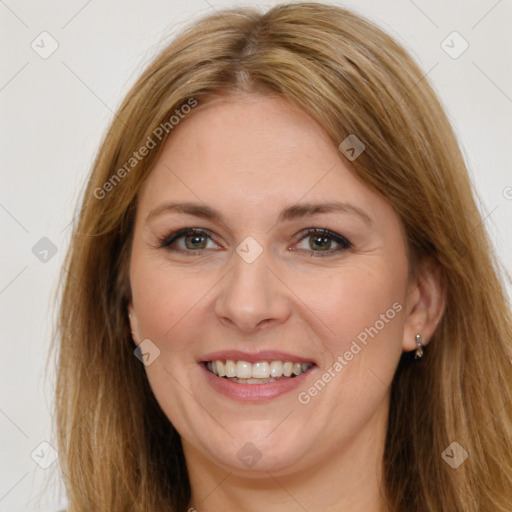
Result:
x=230 y=369
x=221 y=372
x=243 y=370
x=261 y=370
x=276 y=369
x=257 y=373
x=253 y=381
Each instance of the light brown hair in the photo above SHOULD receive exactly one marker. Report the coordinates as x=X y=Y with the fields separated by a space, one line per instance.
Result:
x=118 y=450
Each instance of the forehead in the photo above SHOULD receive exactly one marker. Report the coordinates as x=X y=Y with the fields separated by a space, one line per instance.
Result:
x=253 y=153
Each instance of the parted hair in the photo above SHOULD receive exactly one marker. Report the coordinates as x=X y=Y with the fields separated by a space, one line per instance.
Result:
x=118 y=450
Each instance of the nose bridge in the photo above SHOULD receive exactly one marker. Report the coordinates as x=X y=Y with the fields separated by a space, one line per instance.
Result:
x=250 y=294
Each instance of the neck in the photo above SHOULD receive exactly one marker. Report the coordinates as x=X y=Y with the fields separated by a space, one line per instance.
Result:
x=348 y=479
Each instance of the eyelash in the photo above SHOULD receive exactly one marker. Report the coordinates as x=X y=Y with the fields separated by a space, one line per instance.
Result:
x=344 y=244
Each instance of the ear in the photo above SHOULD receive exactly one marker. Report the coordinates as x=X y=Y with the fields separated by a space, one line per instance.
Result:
x=424 y=305
x=134 y=325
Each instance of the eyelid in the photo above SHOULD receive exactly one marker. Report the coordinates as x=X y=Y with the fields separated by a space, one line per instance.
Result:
x=175 y=235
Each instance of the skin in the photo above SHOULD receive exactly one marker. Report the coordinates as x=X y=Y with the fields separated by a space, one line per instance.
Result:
x=250 y=157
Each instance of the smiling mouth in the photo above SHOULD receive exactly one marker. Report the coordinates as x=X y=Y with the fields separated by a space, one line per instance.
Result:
x=261 y=372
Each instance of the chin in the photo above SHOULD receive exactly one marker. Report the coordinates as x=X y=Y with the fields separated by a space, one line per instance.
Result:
x=253 y=452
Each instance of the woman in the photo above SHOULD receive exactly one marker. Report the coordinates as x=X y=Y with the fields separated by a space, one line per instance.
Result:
x=280 y=282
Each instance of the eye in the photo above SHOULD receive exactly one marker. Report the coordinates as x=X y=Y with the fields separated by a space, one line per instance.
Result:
x=193 y=240
x=320 y=242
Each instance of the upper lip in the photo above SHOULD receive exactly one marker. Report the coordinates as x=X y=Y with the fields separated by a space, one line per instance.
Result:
x=254 y=357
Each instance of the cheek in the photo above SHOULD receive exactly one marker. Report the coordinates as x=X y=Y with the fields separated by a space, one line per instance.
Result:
x=355 y=302
x=362 y=307
x=164 y=297
x=168 y=305
x=339 y=305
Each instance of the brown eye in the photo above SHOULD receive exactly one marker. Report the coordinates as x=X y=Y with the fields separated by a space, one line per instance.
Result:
x=320 y=242
x=194 y=240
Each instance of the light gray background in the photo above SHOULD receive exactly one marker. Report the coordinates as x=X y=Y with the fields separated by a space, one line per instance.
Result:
x=54 y=112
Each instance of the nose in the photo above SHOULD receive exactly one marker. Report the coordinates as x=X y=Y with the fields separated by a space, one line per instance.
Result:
x=252 y=296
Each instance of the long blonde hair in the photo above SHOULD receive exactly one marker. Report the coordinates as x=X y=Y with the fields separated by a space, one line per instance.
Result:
x=118 y=450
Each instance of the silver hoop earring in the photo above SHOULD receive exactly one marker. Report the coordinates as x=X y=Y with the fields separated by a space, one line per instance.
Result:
x=419 y=350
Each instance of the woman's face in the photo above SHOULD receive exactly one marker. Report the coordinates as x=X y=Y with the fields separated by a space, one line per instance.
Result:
x=262 y=283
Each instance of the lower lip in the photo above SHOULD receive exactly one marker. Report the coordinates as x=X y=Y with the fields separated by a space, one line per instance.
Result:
x=254 y=392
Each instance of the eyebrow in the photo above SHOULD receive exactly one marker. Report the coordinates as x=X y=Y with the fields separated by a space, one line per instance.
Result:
x=295 y=211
